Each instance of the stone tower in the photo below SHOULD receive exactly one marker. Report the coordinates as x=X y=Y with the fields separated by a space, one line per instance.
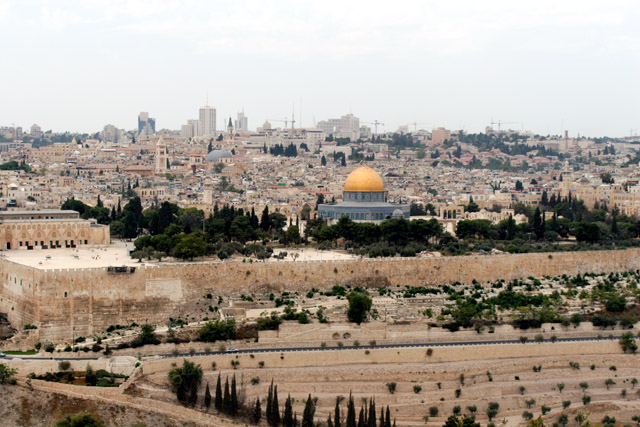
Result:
x=162 y=156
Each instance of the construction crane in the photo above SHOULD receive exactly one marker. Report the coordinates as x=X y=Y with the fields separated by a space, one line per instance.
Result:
x=500 y=122
x=285 y=121
x=415 y=125
x=375 y=123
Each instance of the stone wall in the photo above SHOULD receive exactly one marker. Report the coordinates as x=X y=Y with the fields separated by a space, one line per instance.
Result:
x=77 y=302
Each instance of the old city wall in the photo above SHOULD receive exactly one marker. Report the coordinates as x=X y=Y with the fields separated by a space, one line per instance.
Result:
x=79 y=302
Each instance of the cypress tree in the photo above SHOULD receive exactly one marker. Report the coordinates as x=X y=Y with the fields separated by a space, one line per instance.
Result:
x=329 y=422
x=276 y=407
x=351 y=413
x=387 y=422
x=287 y=417
x=226 y=400
x=382 y=416
x=372 y=413
x=218 y=401
x=234 y=397
x=361 y=417
x=264 y=220
x=295 y=420
x=309 y=412
x=257 y=412
x=336 y=415
x=207 y=397
x=269 y=413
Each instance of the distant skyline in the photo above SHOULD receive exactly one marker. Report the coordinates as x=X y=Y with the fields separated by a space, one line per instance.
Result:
x=545 y=65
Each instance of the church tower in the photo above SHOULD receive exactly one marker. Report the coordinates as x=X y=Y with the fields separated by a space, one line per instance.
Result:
x=162 y=156
x=230 y=130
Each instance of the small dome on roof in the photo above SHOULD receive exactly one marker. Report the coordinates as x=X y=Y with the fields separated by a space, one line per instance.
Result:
x=216 y=155
x=397 y=214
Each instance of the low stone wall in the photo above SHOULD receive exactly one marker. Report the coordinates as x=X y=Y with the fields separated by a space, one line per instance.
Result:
x=388 y=355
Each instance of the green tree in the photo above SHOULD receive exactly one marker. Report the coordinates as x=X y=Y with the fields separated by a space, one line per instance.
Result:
x=293 y=235
x=217 y=330
x=190 y=246
x=351 y=413
x=309 y=412
x=207 y=397
x=257 y=412
x=359 y=306
x=628 y=343
x=287 y=415
x=218 y=399
x=492 y=410
x=465 y=421
x=185 y=382
x=6 y=373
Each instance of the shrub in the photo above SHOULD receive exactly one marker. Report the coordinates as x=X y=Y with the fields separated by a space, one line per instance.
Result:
x=566 y=404
x=85 y=420
x=49 y=348
x=545 y=409
x=255 y=381
x=586 y=399
x=417 y=389
x=433 y=411
x=527 y=415
x=218 y=330
x=64 y=365
x=391 y=387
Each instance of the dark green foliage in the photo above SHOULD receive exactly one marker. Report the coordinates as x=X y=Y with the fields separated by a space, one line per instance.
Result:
x=207 y=397
x=218 y=397
x=79 y=420
x=309 y=412
x=218 y=330
x=359 y=306
x=465 y=421
x=257 y=412
x=351 y=413
x=287 y=416
x=185 y=382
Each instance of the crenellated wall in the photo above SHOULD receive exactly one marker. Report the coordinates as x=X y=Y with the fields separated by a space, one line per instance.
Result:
x=77 y=302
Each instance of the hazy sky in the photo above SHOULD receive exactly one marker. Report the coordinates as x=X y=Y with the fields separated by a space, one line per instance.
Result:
x=77 y=66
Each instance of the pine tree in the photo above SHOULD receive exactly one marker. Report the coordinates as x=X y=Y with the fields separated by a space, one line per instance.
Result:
x=207 y=397
x=257 y=412
x=234 y=397
x=218 y=401
x=351 y=413
x=226 y=400
x=287 y=416
x=309 y=412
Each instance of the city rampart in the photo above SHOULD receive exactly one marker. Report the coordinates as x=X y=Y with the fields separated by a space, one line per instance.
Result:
x=69 y=303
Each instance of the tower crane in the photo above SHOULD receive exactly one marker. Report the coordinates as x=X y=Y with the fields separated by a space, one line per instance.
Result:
x=375 y=123
x=415 y=125
x=500 y=122
x=285 y=121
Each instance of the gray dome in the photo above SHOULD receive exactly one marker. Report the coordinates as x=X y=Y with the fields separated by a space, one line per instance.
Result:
x=397 y=214
x=216 y=155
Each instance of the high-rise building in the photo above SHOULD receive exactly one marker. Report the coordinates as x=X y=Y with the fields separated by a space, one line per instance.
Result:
x=242 y=123
x=347 y=126
x=207 y=121
x=439 y=135
x=146 y=125
x=191 y=129
x=36 y=131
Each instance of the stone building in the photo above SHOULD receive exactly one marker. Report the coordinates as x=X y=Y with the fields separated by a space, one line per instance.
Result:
x=49 y=229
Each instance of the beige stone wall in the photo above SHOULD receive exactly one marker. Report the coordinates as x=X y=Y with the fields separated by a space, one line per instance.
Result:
x=79 y=302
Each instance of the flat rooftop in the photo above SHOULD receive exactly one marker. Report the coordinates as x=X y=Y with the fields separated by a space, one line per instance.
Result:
x=117 y=254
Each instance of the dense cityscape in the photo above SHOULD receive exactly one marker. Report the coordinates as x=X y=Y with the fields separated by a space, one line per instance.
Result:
x=359 y=262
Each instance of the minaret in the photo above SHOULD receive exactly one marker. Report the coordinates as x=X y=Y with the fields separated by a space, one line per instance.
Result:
x=162 y=156
x=208 y=193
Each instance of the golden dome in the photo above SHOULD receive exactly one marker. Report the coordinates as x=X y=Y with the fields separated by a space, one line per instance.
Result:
x=364 y=179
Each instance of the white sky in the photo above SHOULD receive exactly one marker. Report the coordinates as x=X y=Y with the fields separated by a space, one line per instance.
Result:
x=78 y=65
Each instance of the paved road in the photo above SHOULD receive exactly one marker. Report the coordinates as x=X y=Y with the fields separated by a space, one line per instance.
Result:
x=332 y=348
